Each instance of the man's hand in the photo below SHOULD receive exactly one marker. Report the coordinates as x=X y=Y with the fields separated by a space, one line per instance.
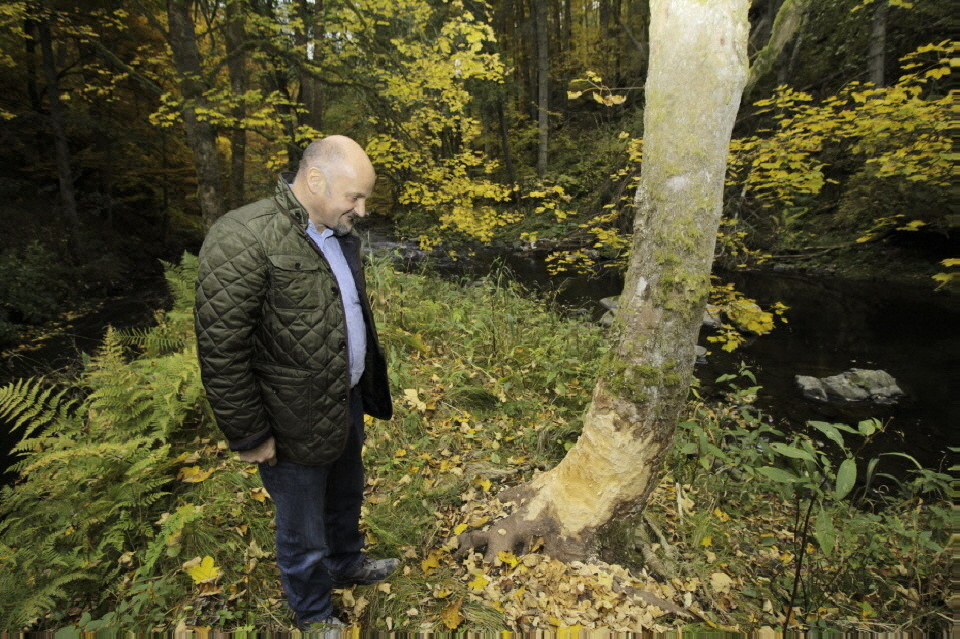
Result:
x=265 y=452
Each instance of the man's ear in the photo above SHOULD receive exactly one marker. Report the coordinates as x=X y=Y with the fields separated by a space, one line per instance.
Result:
x=316 y=179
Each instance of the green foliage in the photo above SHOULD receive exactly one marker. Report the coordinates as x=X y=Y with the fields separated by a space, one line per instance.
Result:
x=32 y=284
x=129 y=515
x=106 y=502
x=803 y=523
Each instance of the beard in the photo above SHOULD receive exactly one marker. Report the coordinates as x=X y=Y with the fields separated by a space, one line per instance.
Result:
x=344 y=225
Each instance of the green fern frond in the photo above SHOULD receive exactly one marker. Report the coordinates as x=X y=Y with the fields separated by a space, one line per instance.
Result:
x=150 y=340
x=31 y=404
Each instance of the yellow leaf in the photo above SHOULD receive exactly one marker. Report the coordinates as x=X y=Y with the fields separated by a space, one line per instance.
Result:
x=451 y=615
x=194 y=474
x=384 y=587
x=719 y=514
x=260 y=494
x=202 y=570
x=432 y=561
x=479 y=582
x=573 y=95
x=912 y=226
x=483 y=483
x=508 y=558
x=460 y=529
x=412 y=396
x=952 y=261
x=720 y=582
x=707 y=541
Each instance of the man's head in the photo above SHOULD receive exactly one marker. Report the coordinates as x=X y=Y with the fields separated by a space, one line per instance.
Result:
x=333 y=182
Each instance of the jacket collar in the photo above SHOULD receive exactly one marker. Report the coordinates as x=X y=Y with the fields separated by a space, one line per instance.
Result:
x=286 y=199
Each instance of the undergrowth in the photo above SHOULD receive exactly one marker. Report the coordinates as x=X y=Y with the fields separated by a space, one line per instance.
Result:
x=130 y=513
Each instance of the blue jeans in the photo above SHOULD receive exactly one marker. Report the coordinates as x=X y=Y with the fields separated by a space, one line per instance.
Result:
x=318 y=517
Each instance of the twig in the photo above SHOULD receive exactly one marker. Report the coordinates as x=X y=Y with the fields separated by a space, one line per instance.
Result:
x=796 y=574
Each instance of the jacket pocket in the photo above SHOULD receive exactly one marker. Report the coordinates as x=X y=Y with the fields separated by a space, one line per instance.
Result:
x=294 y=282
x=287 y=395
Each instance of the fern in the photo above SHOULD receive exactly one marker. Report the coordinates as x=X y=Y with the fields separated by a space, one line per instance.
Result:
x=31 y=404
x=99 y=521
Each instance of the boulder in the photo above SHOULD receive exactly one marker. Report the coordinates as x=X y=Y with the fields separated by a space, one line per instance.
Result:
x=610 y=303
x=854 y=385
x=711 y=317
x=701 y=355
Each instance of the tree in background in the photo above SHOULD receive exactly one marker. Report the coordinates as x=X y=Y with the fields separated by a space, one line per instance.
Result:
x=698 y=68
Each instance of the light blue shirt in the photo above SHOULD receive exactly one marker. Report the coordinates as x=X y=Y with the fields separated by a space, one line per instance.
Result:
x=356 y=327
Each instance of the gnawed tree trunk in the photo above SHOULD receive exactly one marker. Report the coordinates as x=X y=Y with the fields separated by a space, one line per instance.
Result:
x=201 y=134
x=696 y=76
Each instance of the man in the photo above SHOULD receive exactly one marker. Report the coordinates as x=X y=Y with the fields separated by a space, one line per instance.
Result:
x=290 y=361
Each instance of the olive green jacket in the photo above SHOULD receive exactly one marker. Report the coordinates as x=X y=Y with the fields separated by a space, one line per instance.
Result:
x=271 y=334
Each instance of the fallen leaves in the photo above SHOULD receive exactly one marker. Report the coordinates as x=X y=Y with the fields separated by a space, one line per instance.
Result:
x=194 y=474
x=205 y=574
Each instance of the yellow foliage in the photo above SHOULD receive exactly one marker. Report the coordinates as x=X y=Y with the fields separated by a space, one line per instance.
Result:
x=894 y=132
x=202 y=570
x=451 y=615
x=194 y=474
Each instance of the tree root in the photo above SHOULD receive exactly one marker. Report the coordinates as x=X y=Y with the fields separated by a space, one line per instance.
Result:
x=521 y=533
x=663 y=564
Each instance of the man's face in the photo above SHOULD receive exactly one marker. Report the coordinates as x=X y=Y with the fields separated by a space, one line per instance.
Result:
x=343 y=197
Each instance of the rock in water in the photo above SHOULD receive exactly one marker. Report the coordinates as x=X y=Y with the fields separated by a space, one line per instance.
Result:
x=854 y=385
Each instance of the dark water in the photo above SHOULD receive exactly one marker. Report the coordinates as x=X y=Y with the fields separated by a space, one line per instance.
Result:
x=833 y=325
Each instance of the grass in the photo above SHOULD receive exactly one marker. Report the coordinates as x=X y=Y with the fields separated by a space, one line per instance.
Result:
x=489 y=389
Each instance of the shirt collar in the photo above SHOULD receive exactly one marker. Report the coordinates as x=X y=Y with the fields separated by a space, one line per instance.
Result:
x=324 y=234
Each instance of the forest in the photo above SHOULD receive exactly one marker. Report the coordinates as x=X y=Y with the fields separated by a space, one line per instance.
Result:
x=130 y=126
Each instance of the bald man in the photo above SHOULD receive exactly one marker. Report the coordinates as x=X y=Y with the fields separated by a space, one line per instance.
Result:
x=290 y=360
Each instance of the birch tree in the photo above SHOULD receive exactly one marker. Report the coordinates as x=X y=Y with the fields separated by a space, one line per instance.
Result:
x=697 y=72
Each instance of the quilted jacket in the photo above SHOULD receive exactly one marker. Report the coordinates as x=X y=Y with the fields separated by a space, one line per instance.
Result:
x=271 y=334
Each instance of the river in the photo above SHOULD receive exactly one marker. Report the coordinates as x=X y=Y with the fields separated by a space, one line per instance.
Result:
x=832 y=325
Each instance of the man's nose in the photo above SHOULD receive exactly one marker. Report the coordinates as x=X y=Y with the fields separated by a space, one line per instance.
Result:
x=360 y=209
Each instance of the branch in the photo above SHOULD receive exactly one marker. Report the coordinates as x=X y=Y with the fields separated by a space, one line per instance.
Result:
x=152 y=19
x=136 y=75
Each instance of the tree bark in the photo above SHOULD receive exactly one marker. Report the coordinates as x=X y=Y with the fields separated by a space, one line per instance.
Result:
x=68 y=200
x=878 y=42
x=311 y=90
x=236 y=65
x=201 y=134
x=787 y=22
x=543 y=84
x=697 y=71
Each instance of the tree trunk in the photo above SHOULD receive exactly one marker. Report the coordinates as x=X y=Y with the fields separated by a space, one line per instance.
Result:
x=201 y=134
x=311 y=89
x=785 y=25
x=68 y=200
x=878 y=42
x=236 y=65
x=696 y=76
x=543 y=86
x=31 y=152
x=507 y=153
